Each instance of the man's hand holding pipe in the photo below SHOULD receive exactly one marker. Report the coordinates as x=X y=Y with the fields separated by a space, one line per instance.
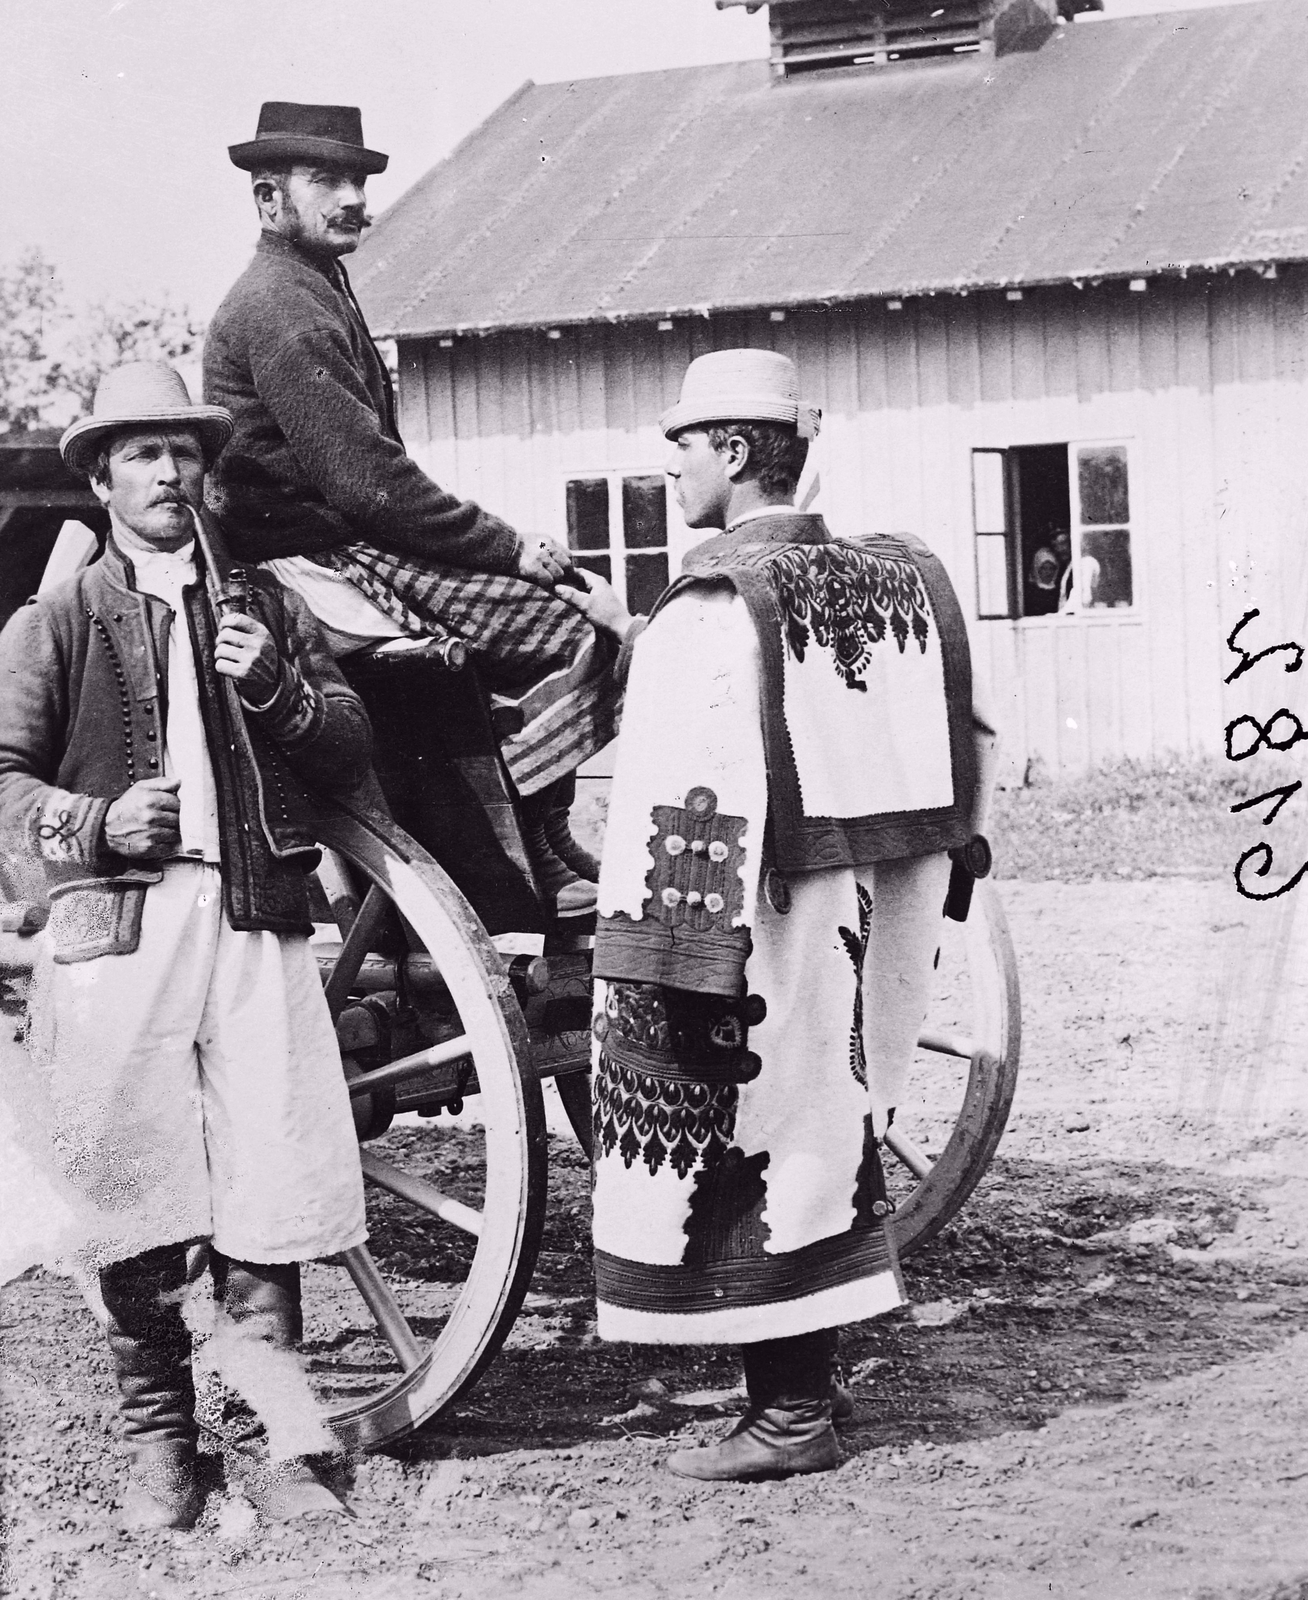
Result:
x=245 y=652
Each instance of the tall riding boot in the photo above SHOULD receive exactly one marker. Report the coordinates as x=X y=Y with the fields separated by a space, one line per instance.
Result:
x=151 y=1349
x=262 y=1302
x=558 y=830
x=787 y=1426
x=545 y=818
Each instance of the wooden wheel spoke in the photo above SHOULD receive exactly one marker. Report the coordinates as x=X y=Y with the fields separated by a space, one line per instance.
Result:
x=338 y=888
x=363 y=930
x=908 y=1153
x=426 y=1196
x=946 y=1044
x=427 y=1339
x=435 y=1055
x=383 y=1305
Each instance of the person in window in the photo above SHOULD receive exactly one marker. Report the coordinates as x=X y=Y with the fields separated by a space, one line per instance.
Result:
x=316 y=483
x=800 y=748
x=1068 y=599
x=1049 y=562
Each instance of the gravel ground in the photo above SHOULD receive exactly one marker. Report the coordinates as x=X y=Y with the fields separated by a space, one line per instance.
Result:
x=1101 y=1385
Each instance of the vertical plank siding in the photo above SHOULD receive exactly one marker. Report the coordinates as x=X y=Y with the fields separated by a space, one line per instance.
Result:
x=1206 y=378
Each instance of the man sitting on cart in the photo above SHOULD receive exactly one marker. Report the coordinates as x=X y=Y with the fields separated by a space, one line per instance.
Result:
x=799 y=751
x=316 y=481
x=184 y=1073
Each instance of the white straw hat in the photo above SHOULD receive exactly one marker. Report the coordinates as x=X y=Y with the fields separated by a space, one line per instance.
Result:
x=143 y=394
x=742 y=386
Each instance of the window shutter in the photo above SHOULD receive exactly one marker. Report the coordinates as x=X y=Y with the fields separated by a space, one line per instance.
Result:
x=996 y=580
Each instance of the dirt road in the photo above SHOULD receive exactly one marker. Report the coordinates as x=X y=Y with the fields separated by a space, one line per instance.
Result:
x=1101 y=1387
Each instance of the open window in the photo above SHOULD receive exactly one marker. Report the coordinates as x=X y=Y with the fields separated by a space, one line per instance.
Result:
x=1052 y=525
x=618 y=527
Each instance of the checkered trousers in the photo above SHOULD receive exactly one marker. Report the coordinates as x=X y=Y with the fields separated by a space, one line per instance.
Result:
x=533 y=651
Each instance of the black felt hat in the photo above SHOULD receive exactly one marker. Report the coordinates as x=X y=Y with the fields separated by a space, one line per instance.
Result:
x=327 y=135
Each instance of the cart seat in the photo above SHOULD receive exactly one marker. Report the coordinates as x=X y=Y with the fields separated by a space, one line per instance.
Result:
x=437 y=756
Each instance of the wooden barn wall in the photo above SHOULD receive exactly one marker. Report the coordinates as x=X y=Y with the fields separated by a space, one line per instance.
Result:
x=1204 y=378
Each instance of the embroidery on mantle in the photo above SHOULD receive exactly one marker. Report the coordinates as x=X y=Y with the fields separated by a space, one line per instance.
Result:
x=649 y=1119
x=697 y=852
x=678 y=1033
x=856 y=949
x=685 y=936
x=725 y=1223
x=847 y=601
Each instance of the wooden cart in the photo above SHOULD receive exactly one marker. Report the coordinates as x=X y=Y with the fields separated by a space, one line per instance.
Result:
x=447 y=1041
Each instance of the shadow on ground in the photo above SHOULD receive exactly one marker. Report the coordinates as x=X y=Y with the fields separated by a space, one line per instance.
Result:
x=1062 y=1285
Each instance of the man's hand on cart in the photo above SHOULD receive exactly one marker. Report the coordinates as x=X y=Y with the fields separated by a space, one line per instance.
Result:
x=145 y=821
x=598 y=600
x=246 y=653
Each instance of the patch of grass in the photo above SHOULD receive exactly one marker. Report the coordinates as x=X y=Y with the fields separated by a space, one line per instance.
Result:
x=1137 y=819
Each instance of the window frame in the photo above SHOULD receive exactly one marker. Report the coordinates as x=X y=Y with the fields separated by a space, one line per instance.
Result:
x=617 y=550
x=1090 y=614
x=1077 y=608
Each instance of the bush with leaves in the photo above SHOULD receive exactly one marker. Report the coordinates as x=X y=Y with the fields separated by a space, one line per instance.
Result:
x=52 y=358
x=30 y=302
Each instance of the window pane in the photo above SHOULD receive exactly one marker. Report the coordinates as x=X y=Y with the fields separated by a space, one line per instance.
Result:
x=992 y=576
x=1105 y=571
x=988 y=491
x=588 y=513
x=600 y=564
x=647 y=578
x=644 y=512
x=1101 y=474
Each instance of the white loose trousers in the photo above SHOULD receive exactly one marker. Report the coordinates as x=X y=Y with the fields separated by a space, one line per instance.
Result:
x=193 y=1089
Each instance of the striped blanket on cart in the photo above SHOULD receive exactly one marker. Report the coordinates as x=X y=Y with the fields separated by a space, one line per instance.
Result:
x=533 y=651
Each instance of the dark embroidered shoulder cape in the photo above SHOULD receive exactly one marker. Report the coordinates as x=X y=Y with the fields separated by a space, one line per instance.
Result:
x=801 y=585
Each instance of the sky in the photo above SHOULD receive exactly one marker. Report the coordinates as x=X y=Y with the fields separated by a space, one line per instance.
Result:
x=116 y=114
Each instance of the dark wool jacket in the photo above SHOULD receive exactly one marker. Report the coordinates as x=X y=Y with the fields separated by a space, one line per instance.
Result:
x=316 y=461
x=83 y=713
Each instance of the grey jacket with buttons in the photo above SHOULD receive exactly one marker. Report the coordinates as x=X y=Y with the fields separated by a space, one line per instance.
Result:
x=83 y=707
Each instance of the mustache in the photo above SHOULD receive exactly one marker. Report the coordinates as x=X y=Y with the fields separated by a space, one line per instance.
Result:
x=169 y=498
x=351 y=219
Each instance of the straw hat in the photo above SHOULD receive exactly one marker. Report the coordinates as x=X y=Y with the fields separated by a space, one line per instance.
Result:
x=330 y=136
x=742 y=386
x=142 y=394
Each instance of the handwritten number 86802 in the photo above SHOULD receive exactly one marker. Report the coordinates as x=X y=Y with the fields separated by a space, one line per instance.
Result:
x=1245 y=737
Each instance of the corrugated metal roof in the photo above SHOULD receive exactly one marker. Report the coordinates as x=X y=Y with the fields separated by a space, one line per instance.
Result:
x=1147 y=144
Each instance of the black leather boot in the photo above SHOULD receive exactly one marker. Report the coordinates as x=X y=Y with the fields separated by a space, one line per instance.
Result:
x=558 y=830
x=544 y=822
x=262 y=1300
x=151 y=1349
x=787 y=1427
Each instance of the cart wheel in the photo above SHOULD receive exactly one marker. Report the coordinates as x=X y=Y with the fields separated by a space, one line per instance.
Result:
x=960 y=1087
x=426 y=1015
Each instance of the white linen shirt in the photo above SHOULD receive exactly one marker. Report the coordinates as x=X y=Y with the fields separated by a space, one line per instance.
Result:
x=164 y=574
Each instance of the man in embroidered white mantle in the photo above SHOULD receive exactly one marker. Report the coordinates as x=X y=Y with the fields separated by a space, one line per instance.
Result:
x=184 y=1066
x=798 y=754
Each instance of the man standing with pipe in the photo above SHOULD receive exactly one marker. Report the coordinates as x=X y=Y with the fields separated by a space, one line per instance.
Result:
x=185 y=1070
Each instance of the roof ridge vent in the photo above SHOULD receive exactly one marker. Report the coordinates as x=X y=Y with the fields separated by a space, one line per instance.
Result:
x=816 y=35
